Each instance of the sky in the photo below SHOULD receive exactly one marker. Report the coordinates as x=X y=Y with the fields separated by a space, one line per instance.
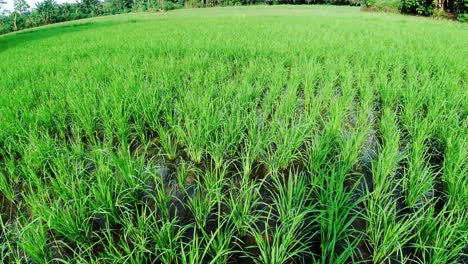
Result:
x=32 y=3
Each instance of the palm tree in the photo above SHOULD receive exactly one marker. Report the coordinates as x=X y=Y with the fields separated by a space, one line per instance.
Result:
x=46 y=10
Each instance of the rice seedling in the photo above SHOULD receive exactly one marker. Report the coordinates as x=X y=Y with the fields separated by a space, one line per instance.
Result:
x=235 y=135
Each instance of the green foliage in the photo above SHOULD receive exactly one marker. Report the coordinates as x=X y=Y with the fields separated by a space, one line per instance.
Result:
x=5 y=24
x=68 y=12
x=144 y=5
x=119 y=6
x=383 y=5
x=420 y=7
x=460 y=7
x=169 y=5
x=463 y=17
x=21 y=6
x=47 y=11
x=266 y=134
x=90 y=7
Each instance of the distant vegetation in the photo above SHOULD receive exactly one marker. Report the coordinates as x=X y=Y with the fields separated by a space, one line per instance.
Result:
x=251 y=135
x=437 y=8
x=48 y=11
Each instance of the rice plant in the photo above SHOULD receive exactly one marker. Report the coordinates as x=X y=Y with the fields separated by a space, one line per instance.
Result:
x=266 y=134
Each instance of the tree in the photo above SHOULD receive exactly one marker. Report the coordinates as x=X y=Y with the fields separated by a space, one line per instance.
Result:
x=69 y=11
x=20 y=8
x=90 y=7
x=46 y=11
x=118 y=6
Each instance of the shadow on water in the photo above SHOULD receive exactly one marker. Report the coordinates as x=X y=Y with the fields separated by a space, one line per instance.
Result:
x=24 y=37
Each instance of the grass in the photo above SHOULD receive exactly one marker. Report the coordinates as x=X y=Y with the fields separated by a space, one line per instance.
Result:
x=284 y=134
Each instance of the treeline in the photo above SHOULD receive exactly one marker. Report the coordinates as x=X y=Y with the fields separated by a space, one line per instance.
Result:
x=48 y=11
x=439 y=8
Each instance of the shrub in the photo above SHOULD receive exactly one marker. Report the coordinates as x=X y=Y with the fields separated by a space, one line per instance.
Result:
x=439 y=13
x=171 y=5
x=383 y=5
x=419 y=7
x=5 y=25
x=463 y=18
